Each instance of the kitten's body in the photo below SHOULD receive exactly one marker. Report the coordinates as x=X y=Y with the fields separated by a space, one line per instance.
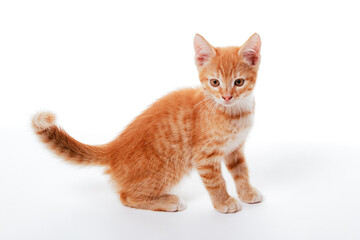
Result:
x=185 y=129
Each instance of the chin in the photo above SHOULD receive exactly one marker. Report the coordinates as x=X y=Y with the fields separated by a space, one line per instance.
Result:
x=230 y=104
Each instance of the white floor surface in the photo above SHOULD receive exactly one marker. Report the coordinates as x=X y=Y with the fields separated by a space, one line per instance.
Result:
x=311 y=192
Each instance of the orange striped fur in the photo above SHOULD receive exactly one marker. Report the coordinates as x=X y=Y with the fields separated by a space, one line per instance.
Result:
x=190 y=128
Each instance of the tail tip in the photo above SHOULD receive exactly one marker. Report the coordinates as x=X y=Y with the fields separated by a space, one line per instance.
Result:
x=43 y=120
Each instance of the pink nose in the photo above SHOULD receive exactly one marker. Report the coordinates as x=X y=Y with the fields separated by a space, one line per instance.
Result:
x=227 y=98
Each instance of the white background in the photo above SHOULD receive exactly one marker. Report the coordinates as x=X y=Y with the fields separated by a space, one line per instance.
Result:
x=98 y=64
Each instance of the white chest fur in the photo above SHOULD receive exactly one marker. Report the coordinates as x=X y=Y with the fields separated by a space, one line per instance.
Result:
x=236 y=140
x=241 y=127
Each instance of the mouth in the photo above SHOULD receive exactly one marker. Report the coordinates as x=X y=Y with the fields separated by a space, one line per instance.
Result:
x=227 y=103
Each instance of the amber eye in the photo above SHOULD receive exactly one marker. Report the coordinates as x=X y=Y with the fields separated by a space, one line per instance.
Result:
x=239 y=82
x=214 y=82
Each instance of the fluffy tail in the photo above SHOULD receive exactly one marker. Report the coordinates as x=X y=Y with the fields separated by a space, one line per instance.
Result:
x=64 y=145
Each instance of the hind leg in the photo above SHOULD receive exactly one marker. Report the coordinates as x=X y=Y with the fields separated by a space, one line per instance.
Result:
x=164 y=202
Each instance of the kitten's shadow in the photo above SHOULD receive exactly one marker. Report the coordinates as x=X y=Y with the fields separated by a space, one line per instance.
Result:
x=293 y=163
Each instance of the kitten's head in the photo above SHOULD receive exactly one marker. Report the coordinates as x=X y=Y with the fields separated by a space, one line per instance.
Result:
x=228 y=73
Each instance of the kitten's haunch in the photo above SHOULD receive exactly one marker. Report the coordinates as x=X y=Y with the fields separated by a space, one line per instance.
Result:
x=190 y=128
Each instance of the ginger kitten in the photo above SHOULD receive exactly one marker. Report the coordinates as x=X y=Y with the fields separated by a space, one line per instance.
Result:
x=190 y=128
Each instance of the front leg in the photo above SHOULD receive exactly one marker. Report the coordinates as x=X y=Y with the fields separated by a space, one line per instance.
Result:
x=235 y=163
x=209 y=168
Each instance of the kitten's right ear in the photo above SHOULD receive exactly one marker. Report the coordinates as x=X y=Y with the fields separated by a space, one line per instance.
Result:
x=203 y=51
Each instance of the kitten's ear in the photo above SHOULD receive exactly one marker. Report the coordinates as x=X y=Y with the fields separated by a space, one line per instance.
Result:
x=250 y=51
x=203 y=51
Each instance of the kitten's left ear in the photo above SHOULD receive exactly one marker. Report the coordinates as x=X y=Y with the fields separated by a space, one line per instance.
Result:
x=250 y=51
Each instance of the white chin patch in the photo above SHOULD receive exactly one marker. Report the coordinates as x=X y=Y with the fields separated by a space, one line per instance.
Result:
x=230 y=104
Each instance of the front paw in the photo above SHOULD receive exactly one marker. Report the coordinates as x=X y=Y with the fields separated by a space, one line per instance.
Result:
x=251 y=195
x=230 y=205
